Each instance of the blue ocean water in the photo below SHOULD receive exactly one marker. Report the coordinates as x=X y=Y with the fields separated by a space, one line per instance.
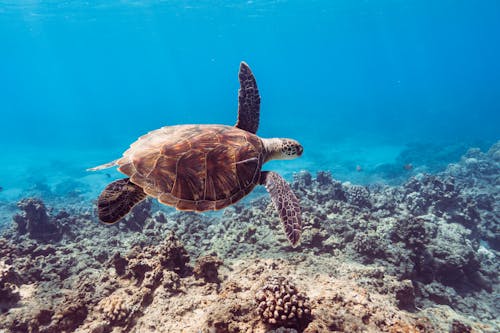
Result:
x=357 y=82
x=377 y=92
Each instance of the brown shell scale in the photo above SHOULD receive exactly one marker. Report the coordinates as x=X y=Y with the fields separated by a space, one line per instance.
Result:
x=195 y=167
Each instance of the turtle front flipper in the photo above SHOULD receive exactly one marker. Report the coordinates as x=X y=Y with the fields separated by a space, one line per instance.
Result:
x=248 y=101
x=286 y=204
x=117 y=199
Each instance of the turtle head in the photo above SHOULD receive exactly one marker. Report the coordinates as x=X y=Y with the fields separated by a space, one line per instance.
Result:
x=282 y=149
x=290 y=149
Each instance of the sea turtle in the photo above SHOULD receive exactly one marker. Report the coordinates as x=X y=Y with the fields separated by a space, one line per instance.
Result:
x=205 y=167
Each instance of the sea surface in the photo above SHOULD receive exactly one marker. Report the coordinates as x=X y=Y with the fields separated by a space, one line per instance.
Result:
x=377 y=91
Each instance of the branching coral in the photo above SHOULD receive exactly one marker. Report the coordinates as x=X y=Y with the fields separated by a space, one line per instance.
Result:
x=357 y=195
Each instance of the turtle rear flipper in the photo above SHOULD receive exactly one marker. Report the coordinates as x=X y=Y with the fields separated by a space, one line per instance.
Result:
x=286 y=204
x=117 y=199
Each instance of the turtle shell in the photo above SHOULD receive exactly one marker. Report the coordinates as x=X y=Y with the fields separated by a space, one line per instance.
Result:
x=195 y=167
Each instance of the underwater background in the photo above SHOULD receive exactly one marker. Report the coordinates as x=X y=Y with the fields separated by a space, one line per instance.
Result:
x=355 y=81
x=385 y=95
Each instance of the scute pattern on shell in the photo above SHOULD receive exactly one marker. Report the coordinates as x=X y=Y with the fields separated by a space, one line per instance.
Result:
x=195 y=167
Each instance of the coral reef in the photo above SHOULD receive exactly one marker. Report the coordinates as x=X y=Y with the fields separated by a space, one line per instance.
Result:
x=418 y=257
x=35 y=221
x=357 y=195
x=440 y=231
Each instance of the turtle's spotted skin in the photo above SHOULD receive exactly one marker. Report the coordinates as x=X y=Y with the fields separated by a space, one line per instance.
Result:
x=195 y=167
x=205 y=167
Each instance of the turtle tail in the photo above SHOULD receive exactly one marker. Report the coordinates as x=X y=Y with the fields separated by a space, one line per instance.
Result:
x=104 y=166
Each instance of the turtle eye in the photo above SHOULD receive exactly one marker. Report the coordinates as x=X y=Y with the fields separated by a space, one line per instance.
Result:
x=300 y=149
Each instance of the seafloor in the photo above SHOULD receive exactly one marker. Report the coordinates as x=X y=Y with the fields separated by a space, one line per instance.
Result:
x=417 y=257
